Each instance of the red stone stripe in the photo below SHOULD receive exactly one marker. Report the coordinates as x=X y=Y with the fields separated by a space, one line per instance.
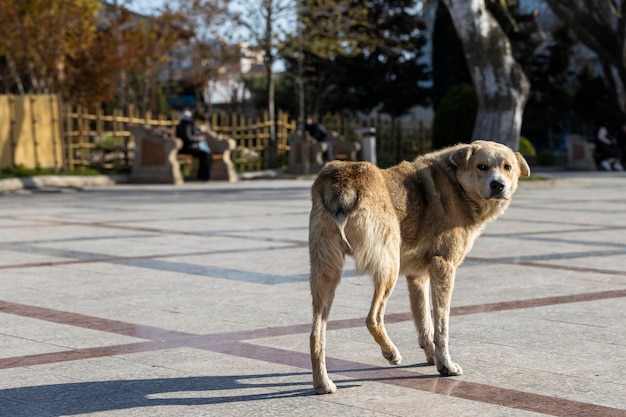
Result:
x=546 y=266
x=430 y=383
x=111 y=259
x=79 y=354
x=165 y=339
x=89 y=322
x=232 y=344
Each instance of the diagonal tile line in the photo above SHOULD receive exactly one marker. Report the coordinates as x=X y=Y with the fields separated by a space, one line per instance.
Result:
x=160 y=339
x=545 y=265
x=566 y=255
x=585 y=242
x=80 y=354
x=232 y=344
x=90 y=322
x=590 y=229
x=399 y=376
x=402 y=317
x=354 y=370
x=113 y=259
x=229 y=234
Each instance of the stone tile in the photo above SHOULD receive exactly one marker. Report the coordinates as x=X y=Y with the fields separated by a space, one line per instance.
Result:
x=228 y=263
x=25 y=336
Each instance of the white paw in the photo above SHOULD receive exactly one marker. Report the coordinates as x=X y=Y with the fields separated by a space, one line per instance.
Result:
x=327 y=387
x=393 y=357
x=449 y=369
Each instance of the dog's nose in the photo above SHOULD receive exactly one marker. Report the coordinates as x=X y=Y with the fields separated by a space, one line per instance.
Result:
x=496 y=186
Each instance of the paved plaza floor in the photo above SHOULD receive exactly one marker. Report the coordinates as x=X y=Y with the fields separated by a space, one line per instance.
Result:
x=193 y=301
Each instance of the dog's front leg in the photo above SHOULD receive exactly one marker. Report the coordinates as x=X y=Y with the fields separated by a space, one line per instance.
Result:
x=442 y=274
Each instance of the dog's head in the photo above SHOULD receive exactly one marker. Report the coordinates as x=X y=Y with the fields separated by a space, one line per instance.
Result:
x=489 y=170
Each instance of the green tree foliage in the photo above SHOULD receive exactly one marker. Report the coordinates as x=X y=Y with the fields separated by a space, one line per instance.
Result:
x=522 y=29
x=448 y=60
x=549 y=111
x=286 y=100
x=593 y=102
x=455 y=117
x=264 y=23
x=330 y=28
x=526 y=147
x=382 y=68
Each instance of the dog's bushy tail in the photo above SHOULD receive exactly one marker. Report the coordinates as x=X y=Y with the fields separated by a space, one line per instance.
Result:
x=340 y=200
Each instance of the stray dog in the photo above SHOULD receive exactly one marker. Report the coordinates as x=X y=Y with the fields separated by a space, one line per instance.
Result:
x=417 y=218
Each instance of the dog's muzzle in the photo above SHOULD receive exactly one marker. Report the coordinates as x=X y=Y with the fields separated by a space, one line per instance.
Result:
x=497 y=189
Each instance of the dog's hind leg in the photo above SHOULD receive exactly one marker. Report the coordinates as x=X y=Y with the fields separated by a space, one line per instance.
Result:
x=384 y=282
x=419 y=287
x=326 y=270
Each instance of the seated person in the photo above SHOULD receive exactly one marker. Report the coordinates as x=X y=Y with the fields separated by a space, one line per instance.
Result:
x=319 y=133
x=610 y=153
x=194 y=142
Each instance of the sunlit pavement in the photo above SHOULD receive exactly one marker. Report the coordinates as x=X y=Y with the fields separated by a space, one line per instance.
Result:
x=193 y=301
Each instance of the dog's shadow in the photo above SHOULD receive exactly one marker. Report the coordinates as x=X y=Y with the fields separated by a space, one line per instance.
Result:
x=101 y=396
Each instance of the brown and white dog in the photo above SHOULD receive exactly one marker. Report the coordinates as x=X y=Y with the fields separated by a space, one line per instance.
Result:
x=417 y=218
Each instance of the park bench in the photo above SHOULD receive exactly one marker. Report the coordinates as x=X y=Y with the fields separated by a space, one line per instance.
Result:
x=155 y=156
x=581 y=154
x=157 y=160
x=222 y=167
x=343 y=149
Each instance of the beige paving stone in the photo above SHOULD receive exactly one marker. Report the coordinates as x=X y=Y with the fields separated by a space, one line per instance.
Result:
x=211 y=279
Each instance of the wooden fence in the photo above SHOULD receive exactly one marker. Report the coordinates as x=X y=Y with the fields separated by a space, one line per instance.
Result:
x=38 y=132
x=103 y=140
x=30 y=132
x=253 y=139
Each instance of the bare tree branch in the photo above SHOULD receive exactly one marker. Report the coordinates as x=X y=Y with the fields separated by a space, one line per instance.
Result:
x=600 y=25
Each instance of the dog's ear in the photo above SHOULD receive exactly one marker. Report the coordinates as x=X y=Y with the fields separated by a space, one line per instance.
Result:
x=523 y=165
x=461 y=156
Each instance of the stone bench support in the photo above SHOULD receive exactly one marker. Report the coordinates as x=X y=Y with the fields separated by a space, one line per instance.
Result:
x=155 y=156
x=580 y=154
x=307 y=150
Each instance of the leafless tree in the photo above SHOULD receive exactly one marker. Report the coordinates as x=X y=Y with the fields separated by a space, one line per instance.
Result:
x=265 y=24
x=601 y=26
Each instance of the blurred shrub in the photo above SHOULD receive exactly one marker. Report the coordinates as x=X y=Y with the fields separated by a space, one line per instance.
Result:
x=546 y=159
x=455 y=117
x=526 y=147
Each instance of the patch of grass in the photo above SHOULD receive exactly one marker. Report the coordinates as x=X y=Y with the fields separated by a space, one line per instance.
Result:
x=21 y=171
x=534 y=177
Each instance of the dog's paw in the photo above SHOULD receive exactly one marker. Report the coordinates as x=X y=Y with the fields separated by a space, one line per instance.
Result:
x=393 y=357
x=327 y=387
x=451 y=369
x=429 y=351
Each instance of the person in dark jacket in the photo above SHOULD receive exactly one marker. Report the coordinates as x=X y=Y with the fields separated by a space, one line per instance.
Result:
x=610 y=153
x=320 y=134
x=194 y=142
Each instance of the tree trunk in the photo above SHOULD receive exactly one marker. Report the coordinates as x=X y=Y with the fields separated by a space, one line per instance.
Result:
x=271 y=108
x=500 y=83
x=269 y=62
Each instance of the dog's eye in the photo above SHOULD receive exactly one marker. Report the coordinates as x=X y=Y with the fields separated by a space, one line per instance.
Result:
x=507 y=167
x=482 y=167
